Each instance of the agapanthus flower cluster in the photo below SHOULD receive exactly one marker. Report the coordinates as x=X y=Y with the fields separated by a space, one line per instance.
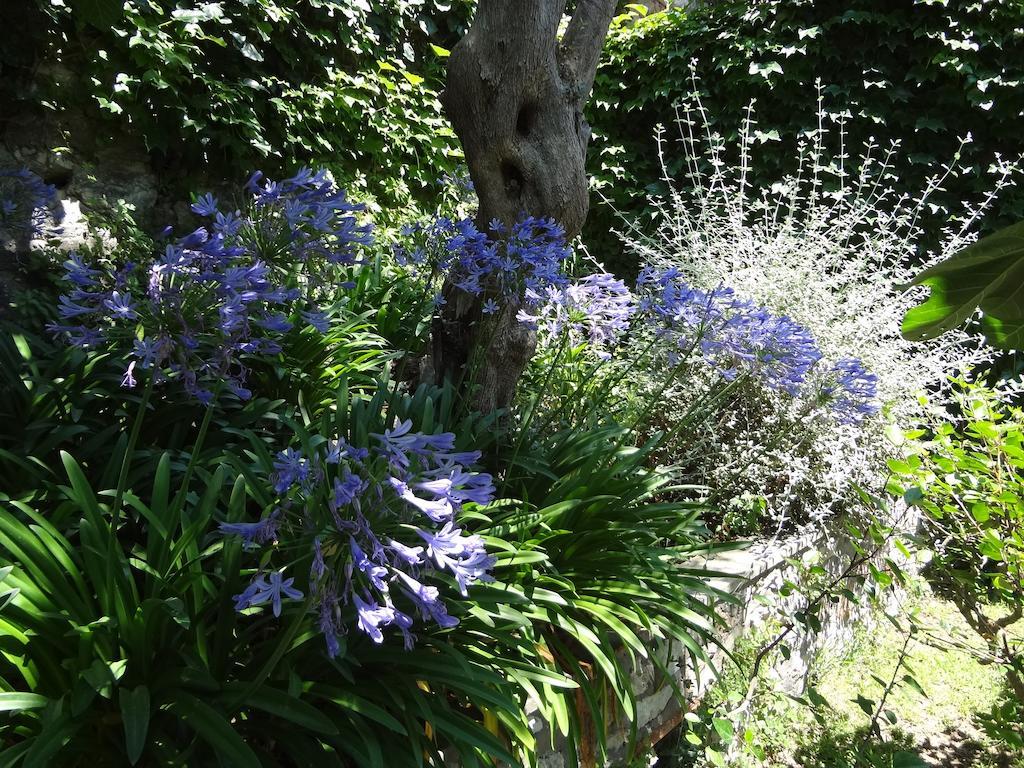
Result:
x=382 y=526
x=306 y=219
x=502 y=264
x=25 y=204
x=224 y=293
x=836 y=261
x=596 y=309
x=851 y=390
x=732 y=334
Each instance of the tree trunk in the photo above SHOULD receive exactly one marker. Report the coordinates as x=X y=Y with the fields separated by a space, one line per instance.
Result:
x=515 y=95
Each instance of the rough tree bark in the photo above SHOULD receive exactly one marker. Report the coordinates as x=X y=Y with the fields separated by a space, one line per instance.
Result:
x=515 y=95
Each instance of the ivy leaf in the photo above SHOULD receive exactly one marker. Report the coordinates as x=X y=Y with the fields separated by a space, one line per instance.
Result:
x=205 y=12
x=988 y=275
x=251 y=52
x=246 y=48
x=766 y=69
x=930 y=124
x=111 y=106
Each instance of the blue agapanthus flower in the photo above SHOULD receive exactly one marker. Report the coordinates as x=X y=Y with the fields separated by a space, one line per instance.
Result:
x=502 y=264
x=272 y=588
x=260 y=532
x=852 y=391
x=733 y=335
x=381 y=523
x=309 y=217
x=26 y=204
x=779 y=351
x=739 y=338
x=209 y=302
x=596 y=309
x=205 y=205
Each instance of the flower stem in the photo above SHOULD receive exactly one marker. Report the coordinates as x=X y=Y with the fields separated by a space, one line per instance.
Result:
x=129 y=452
x=204 y=426
x=523 y=428
x=122 y=481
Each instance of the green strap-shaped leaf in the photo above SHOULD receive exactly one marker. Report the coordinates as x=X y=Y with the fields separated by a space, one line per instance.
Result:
x=285 y=706
x=49 y=741
x=468 y=732
x=135 y=714
x=988 y=275
x=215 y=730
x=364 y=708
x=16 y=701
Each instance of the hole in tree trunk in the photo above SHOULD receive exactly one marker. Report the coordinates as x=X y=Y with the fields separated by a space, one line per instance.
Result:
x=526 y=119
x=513 y=178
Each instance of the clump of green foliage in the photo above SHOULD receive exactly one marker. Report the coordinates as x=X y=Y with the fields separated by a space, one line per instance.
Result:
x=126 y=510
x=969 y=477
x=925 y=73
x=932 y=689
x=220 y=86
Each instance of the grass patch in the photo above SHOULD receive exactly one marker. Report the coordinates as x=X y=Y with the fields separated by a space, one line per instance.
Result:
x=937 y=729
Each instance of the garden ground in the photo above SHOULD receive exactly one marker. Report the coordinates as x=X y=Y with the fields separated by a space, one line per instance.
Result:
x=940 y=728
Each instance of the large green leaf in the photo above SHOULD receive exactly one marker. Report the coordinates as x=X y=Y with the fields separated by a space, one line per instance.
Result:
x=215 y=730
x=49 y=741
x=135 y=714
x=285 y=706
x=988 y=275
x=15 y=701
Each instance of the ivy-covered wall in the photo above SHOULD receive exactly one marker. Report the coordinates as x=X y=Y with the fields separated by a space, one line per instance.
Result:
x=213 y=89
x=926 y=72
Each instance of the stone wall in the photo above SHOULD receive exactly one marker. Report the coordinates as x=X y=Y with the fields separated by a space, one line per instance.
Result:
x=756 y=574
x=91 y=168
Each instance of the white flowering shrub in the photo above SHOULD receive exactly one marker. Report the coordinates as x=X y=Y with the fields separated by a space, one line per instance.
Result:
x=829 y=248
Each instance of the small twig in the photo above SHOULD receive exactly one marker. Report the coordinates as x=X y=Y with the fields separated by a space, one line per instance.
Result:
x=904 y=652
